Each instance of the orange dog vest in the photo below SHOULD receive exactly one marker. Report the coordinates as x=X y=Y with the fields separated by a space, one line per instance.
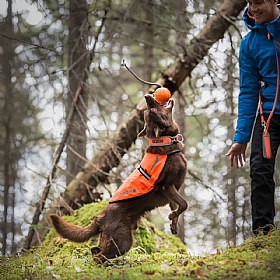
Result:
x=142 y=179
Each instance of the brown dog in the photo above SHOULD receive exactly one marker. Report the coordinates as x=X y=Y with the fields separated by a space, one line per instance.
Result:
x=116 y=222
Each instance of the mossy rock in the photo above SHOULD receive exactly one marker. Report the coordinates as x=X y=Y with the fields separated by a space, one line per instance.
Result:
x=147 y=238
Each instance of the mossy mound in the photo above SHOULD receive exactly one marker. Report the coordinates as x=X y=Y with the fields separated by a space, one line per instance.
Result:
x=257 y=258
x=155 y=256
x=147 y=238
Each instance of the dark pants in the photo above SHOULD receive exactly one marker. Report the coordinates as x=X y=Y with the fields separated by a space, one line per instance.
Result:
x=262 y=173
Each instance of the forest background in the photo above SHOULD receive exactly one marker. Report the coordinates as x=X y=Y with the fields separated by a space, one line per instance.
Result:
x=70 y=112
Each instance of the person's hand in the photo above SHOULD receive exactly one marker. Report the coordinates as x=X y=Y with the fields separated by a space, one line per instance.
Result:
x=237 y=154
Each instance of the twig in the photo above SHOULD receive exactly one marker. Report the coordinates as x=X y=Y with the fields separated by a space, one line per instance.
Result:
x=205 y=185
x=28 y=43
x=141 y=80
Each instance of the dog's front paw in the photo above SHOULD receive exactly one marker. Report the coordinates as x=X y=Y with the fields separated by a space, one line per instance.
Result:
x=172 y=215
x=173 y=228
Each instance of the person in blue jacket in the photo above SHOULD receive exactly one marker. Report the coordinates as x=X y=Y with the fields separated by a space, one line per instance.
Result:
x=258 y=56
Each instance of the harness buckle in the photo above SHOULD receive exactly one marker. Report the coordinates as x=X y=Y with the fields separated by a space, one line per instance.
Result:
x=177 y=138
x=180 y=137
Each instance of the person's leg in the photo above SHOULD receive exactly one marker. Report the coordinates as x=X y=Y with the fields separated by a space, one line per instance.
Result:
x=262 y=181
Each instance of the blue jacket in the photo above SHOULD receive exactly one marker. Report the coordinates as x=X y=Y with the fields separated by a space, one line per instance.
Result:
x=257 y=63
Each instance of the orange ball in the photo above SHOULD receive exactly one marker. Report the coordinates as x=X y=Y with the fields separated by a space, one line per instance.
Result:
x=162 y=95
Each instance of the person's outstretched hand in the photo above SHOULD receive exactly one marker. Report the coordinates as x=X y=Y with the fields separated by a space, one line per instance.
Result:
x=237 y=154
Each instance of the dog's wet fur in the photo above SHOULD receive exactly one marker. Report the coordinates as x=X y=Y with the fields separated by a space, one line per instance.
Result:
x=116 y=222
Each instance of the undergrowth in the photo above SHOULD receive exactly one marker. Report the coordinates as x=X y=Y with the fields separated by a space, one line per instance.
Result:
x=155 y=255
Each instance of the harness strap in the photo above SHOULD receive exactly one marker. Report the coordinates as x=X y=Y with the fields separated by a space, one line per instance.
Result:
x=144 y=173
x=166 y=140
x=265 y=124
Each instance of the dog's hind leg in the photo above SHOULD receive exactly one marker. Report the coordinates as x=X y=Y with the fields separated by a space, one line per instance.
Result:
x=95 y=250
x=112 y=252
x=112 y=246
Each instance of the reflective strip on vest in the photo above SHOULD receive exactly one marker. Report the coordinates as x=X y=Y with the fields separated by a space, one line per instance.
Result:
x=142 y=179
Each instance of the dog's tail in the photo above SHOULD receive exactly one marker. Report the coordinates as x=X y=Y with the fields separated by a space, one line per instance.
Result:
x=73 y=232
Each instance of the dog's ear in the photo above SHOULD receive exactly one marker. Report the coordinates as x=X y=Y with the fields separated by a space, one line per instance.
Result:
x=143 y=132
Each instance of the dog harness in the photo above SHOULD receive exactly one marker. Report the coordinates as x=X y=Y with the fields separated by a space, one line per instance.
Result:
x=142 y=179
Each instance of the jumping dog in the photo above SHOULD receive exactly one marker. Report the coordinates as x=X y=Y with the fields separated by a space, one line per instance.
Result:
x=115 y=223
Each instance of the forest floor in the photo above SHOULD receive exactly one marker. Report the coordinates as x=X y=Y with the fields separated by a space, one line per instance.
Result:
x=155 y=255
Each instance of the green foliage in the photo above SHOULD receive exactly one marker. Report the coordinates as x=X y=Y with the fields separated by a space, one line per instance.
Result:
x=155 y=255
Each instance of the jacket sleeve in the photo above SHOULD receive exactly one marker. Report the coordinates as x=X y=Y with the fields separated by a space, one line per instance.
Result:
x=248 y=95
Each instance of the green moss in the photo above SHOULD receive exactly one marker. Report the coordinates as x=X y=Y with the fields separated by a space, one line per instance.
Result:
x=150 y=239
x=155 y=255
x=144 y=239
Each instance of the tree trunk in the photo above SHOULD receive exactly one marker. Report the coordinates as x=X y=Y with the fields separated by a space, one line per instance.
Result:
x=77 y=75
x=231 y=188
x=180 y=117
x=97 y=169
x=8 y=164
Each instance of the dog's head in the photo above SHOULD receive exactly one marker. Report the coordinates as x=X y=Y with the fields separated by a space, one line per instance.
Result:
x=158 y=119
